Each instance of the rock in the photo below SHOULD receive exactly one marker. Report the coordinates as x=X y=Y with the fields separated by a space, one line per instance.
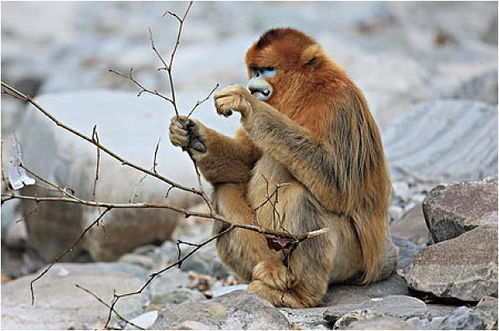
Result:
x=236 y=310
x=482 y=88
x=354 y=316
x=61 y=157
x=400 y=306
x=307 y=318
x=412 y=226
x=461 y=144
x=487 y=309
x=144 y=321
x=193 y=325
x=451 y=210
x=407 y=251
x=15 y=235
x=145 y=262
x=462 y=318
x=180 y=295
x=168 y=282
x=380 y=323
x=60 y=305
x=464 y=268
x=199 y=263
x=355 y=294
x=228 y=289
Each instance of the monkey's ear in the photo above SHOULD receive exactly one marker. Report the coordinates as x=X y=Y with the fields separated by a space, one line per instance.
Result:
x=311 y=55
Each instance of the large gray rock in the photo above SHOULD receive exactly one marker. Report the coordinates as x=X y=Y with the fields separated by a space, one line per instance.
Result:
x=400 y=306
x=236 y=310
x=487 y=309
x=60 y=305
x=462 y=318
x=379 y=323
x=451 y=210
x=412 y=226
x=356 y=294
x=464 y=268
x=355 y=316
x=482 y=88
x=442 y=141
x=131 y=127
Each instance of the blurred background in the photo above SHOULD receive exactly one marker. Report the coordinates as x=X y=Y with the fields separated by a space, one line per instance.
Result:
x=428 y=70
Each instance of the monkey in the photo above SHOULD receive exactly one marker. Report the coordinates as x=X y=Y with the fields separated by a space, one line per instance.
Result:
x=306 y=129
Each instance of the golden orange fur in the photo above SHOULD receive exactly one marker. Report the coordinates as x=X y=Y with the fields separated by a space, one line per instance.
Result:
x=314 y=134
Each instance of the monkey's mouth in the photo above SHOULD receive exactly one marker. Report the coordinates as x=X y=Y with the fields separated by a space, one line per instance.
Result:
x=261 y=94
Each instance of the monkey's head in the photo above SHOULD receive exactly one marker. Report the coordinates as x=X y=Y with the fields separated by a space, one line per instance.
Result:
x=285 y=65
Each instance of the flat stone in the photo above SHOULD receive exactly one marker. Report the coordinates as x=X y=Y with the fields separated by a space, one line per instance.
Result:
x=60 y=305
x=464 y=268
x=236 y=310
x=168 y=282
x=354 y=316
x=307 y=318
x=380 y=323
x=482 y=87
x=443 y=141
x=412 y=226
x=177 y=296
x=351 y=294
x=451 y=210
x=400 y=306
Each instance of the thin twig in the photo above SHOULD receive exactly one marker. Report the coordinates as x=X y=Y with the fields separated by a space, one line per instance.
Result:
x=143 y=89
x=114 y=155
x=155 y=158
x=117 y=297
x=187 y=213
x=95 y=137
x=199 y=102
x=69 y=249
x=108 y=306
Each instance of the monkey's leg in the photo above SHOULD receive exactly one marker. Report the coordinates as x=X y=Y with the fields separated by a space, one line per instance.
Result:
x=240 y=249
x=302 y=283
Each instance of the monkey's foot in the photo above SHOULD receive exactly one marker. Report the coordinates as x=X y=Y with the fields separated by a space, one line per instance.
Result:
x=275 y=275
x=297 y=297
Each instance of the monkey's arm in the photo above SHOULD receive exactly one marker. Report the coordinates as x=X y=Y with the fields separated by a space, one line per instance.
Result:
x=309 y=160
x=227 y=160
x=325 y=166
x=220 y=159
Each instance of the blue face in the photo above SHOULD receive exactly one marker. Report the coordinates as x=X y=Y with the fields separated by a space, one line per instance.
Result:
x=264 y=72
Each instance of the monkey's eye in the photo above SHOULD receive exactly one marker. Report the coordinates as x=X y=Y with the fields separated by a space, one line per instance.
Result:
x=268 y=72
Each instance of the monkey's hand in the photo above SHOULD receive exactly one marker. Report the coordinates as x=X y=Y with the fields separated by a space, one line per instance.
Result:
x=186 y=133
x=234 y=98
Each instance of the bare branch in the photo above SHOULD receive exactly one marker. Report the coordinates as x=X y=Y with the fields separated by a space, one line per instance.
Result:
x=202 y=101
x=142 y=88
x=108 y=306
x=117 y=297
x=69 y=249
x=114 y=155
x=153 y=46
x=155 y=158
x=95 y=137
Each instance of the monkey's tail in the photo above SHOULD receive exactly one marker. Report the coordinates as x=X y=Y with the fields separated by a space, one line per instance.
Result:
x=371 y=231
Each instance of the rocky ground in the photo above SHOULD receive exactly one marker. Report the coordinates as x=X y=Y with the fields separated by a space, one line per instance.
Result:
x=429 y=72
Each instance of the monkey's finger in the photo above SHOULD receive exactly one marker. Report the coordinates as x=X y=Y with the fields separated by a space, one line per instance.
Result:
x=178 y=140
x=179 y=121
